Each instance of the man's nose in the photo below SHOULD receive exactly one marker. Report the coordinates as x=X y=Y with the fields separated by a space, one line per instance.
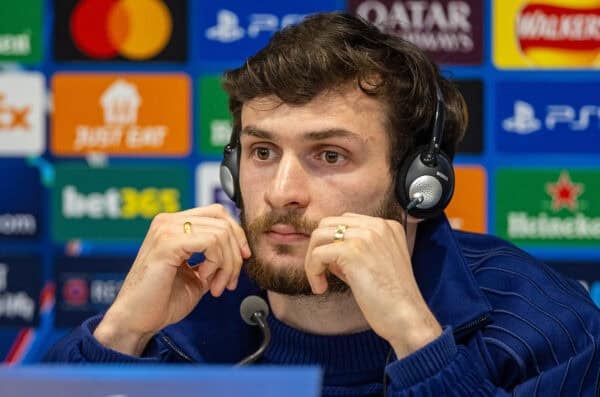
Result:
x=289 y=187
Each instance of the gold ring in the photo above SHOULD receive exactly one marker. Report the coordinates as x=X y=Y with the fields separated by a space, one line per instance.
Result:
x=338 y=236
x=187 y=227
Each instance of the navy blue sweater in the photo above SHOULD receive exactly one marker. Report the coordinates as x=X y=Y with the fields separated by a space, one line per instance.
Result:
x=511 y=326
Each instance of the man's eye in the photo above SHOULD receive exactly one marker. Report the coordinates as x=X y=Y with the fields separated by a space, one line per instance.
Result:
x=331 y=157
x=262 y=153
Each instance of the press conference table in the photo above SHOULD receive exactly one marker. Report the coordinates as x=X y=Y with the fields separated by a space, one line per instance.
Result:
x=149 y=381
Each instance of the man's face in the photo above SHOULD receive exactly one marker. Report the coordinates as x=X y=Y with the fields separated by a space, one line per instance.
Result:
x=301 y=163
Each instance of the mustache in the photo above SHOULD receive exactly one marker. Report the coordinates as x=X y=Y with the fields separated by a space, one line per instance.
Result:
x=299 y=222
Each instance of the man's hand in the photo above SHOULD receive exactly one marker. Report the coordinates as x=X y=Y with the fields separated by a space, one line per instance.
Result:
x=373 y=259
x=161 y=288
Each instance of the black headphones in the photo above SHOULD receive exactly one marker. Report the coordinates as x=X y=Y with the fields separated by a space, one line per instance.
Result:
x=424 y=181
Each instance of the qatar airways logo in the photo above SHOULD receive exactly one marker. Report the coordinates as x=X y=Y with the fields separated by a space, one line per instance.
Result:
x=435 y=26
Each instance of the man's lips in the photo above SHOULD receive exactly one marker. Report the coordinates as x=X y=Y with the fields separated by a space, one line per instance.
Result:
x=285 y=234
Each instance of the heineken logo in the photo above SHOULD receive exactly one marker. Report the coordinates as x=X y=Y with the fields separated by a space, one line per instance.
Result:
x=542 y=226
x=554 y=207
x=564 y=192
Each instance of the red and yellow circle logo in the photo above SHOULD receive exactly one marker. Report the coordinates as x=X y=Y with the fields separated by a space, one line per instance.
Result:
x=133 y=29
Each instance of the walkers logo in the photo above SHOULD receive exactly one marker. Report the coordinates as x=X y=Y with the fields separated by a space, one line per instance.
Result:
x=552 y=208
x=21 y=31
x=125 y=115
x=468 y=207
x=215 y=119
x=208 y=187
x=450 y=31
x=238 y=29
x=20 y=286
x=547 y=33
x=543 y=117
x=120 y=30
x=20 y=203
x=114 y=203
x=22 y=99
x=86 y=286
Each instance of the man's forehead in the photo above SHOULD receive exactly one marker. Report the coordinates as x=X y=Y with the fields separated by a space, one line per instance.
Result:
x=348 y=101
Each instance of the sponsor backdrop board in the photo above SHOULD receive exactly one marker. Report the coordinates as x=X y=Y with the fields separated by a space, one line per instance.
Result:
x=22 y=111
x=21 y=203
x=548 y=117
x=123 y=31
x=85 y=286
x=20 y=287
x=558 y=208
x=235 y=29
x=21 y=24
x=114 y=203
x=546 y=34
x=112 y=111
x=128 y=114
x=450 y=31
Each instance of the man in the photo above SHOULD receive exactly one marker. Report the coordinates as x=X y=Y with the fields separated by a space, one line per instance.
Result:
x=326 y=119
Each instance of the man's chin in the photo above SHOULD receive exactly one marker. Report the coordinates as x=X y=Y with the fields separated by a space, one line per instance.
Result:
x=284 y=274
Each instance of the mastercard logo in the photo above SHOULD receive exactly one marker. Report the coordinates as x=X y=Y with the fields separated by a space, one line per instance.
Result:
x=133 y=29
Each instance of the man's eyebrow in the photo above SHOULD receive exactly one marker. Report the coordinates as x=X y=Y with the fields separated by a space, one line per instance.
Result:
x=311 y=135
x=257 y=132
x=334 y=133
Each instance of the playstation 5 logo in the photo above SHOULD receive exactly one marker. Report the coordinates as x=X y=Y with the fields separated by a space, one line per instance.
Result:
x=523 y=120
x=228 y=29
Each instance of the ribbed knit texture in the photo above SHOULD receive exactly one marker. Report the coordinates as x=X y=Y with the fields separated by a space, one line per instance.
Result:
x=352 y=353
x=94 y=351
x=424 y=364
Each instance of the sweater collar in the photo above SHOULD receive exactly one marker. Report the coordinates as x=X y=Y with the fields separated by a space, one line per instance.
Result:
x=361 y=354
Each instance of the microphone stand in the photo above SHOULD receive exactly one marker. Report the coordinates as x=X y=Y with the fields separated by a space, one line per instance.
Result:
x=259 y=318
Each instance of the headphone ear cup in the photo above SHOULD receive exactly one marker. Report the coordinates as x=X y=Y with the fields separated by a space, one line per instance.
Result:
x=434 y=183
x=229 y=173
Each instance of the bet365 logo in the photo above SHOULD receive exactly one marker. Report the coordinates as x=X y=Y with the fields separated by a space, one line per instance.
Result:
x=123 y=203
x=114 y=203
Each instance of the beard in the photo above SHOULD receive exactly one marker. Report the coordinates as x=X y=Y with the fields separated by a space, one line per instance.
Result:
x=291 y=280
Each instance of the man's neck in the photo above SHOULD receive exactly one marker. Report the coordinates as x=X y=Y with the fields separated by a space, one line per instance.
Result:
x=330 y=314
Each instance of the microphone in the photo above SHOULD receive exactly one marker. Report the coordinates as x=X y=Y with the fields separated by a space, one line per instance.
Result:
x=254 y=311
